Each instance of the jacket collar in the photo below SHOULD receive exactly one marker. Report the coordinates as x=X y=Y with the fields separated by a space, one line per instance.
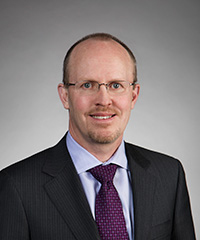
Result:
x=143 y=187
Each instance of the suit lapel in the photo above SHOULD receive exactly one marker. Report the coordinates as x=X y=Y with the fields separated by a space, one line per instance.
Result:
x=143 y=187
x=66 y=192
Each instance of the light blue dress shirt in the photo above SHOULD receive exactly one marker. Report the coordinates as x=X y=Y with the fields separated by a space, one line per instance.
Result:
x=84 y=161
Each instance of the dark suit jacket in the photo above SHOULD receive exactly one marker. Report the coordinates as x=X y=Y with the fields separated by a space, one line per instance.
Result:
x=41 y=198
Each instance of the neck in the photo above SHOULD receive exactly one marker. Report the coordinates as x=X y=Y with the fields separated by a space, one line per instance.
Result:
x=102 y=151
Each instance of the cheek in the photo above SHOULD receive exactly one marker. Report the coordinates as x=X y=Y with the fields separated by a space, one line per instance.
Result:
x=124 y=104
x=78 y=104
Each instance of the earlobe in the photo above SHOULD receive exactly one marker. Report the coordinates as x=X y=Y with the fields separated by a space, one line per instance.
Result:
x=63 y=94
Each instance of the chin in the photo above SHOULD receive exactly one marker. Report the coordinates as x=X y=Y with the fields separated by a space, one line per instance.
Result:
x=100 y=138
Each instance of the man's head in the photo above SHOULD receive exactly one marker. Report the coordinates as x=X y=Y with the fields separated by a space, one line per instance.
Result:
x=95 y=36
x=99 y=115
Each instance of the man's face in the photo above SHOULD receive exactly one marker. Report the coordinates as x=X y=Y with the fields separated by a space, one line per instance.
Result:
x=99 y=118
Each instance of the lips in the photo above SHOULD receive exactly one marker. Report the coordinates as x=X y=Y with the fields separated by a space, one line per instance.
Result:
x=102 y=116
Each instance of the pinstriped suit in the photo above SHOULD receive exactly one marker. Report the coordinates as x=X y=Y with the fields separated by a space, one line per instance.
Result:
x=41 y=198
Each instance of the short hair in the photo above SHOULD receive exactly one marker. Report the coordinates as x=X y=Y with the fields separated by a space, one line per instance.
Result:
x=95 y=36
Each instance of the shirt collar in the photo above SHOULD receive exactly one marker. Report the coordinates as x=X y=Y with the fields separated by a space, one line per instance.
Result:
x=83 y=160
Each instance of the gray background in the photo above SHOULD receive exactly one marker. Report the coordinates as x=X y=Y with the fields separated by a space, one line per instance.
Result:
x=165 y=37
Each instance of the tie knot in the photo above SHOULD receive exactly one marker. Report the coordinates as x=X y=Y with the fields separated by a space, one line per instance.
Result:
x=104 y=173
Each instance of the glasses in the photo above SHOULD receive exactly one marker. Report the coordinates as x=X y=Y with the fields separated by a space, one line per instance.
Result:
x=92 y=87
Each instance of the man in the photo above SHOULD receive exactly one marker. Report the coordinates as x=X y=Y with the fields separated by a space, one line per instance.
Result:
x=56 y=194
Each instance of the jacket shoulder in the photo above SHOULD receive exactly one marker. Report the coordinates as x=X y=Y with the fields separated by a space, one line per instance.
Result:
x=27 y=166
x=149 y=154
x=153 y=161
x=32 y=167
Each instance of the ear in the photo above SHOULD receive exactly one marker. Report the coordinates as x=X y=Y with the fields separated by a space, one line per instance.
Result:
x=135 y=94
x=63 y=94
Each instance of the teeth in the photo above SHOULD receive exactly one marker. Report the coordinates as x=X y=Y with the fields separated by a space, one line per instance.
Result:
x=102 y=117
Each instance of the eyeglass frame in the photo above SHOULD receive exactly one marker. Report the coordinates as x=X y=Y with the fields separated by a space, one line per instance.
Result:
x=100 y=84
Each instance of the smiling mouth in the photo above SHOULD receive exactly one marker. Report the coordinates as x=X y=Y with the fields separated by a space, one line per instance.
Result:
x=102 y=117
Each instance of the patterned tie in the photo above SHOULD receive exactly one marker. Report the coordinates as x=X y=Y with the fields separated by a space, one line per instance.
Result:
x=108 y=208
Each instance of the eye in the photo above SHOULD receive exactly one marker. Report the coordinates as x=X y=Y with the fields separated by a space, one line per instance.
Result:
x=115 y=85
x=87 y=85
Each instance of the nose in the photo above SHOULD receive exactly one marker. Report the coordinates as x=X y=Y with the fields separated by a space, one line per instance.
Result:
x=102 y=97
x=103 y=84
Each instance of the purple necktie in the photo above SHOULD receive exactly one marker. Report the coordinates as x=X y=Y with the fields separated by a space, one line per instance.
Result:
x=108 y=208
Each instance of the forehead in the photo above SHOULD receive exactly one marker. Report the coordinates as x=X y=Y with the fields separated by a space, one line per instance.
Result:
x=92 y=46
x=102 y=54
